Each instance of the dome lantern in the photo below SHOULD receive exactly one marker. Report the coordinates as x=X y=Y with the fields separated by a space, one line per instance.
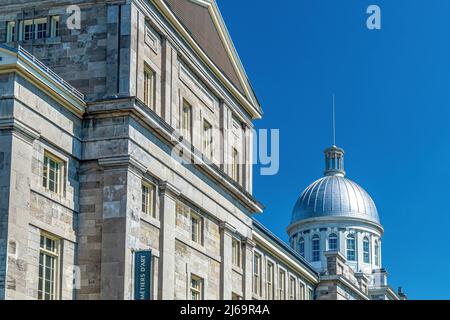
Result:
x=334 y=161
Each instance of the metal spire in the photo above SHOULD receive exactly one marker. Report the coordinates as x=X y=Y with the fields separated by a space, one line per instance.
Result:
x=334 y=121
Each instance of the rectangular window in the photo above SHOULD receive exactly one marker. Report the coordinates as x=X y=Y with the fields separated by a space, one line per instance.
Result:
x=41 y=30
x=148 y=199
x=207 y=140
x=28 y=30
x=269 y=281
x=236 y=246
x=257 y=274
x=53 y=175
x=10 y=31
x=310 y=294
x=301 y=292
x=292 y=288
x=281 y=285
x=235 y=165
x=196 y=228
x=55 y=27
x=196 y=288
x=149 y=87
x=48 y=268
x=186 y=121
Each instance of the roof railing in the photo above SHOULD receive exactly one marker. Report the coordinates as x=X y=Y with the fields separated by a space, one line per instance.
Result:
x=28 y=56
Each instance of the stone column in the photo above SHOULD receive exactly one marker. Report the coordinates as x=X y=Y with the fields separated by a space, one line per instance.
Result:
x=226 y=252
x=168 y=195
x=247 y=265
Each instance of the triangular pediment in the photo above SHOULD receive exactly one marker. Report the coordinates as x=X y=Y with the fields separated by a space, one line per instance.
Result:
x=204 y=23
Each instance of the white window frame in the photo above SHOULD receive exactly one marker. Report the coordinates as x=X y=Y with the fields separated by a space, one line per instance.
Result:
x=55 y=26
x=377 y=253
x=10 y=31
x=351 y=252
x=315 y=252
x=334 y=237
x=235 y=168
x=292 y=288
x=282 y=284
x=207 y=139
x=60 y=173
x=301 y=246
x=186 y=120
x=366 y=250
x=149 y=87
x=148 y=199
x=302 y=291
x=236 y=253
x=194 y=290
x=257 y=273
x=34 y=28
x=270 y=277
x=55 y=254
x=196 y=227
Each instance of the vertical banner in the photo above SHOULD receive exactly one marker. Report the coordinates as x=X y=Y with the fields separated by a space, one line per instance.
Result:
x=142 y=275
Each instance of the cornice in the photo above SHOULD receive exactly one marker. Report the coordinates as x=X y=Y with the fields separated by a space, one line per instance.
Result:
x=123 y=161
x=166 y=188
x=20 y=129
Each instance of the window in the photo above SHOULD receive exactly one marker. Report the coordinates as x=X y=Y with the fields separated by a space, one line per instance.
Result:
x=301 y=246
x=292 y=288
x=55 y=27
x=48 y=268
x=28 y=31
x=269 y=281
x=315 y=248
x=10 y=31
x=236 y=247
x=34 y=29
x=377 y=253
x=257 y=274
x=149 y=87
x=41 y=30
x=332 y=242
x=302 y=291
x=281 y=285
x=235 y=165
x=196 y=228
x=310 y=294
x=53 y=175
x=186 y=121
x=148 y=199
x=366 y=250
x=196 y=288
x=207 y=140
x=351 y=248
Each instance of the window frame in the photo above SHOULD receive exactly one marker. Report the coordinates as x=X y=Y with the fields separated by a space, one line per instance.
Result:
x=270 y=292
x=351 y=249
x=186 y=121
x=301 y=246
x=292 y=288
x=366 y=250
x=196 y=290
x=281 y=284
x=208 y=139
x=257 y=273
x=236 y=253
x=315 y=250
x=149 y=87
x=235 y=167
x=377 y=253
x=60 y=179
x=334 y=237
x=56 y=256
x=55 y=26
x=10 y=31
x=148 y=203
x=196 y=229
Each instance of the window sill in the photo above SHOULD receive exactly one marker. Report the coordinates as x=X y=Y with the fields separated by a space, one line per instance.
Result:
x=238 y=270
x=150 y=220
x=55 y=197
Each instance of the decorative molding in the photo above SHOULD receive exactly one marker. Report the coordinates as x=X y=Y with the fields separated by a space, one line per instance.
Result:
x=166 y=188
x=20 y=129
x=248 y=242
x=123 y=161
x=226 y=227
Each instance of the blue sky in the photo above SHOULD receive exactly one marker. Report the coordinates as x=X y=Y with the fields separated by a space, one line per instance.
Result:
x=393 y=115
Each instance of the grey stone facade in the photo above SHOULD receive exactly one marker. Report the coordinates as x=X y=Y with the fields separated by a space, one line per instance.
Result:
x=110 y=143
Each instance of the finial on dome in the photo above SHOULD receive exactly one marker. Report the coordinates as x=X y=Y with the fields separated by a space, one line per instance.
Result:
x=334 y=156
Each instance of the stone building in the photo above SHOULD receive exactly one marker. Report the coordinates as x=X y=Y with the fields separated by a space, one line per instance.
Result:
x=126 y=127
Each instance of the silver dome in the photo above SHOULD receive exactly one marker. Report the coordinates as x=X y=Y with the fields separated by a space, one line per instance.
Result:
x=335 y=195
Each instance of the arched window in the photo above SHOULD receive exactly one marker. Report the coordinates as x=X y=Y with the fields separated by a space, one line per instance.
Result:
x=377 y=253
x=351 y=248
x=332 y=242
x=301 y=246
x=366 y=250
x=315 y=248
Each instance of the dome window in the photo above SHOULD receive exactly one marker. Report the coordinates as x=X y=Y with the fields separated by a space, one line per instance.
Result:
x=366 y=250
x=301 y=246
x=351 y=248
x=332 y=242
x=315 y=248
x=377 y=253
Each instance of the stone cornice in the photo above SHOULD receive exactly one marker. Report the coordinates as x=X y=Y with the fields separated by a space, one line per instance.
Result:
x=166 y=188
x=20 y=129
x=123 y=161
x=226 y=227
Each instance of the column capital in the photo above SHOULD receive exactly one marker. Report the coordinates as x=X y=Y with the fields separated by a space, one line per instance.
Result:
x=123 y=161
x=225 y=226
x=248 y=242
x=166 y=188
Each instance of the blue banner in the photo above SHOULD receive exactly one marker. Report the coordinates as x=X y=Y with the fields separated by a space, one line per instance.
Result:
x=142 y=275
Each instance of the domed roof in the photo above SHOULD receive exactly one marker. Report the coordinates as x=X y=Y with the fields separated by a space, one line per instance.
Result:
x=335 y=195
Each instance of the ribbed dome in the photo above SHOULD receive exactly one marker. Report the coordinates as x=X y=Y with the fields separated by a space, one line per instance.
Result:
x=335 y=195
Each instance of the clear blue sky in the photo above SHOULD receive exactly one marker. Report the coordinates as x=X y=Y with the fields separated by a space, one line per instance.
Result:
x=393 y=112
